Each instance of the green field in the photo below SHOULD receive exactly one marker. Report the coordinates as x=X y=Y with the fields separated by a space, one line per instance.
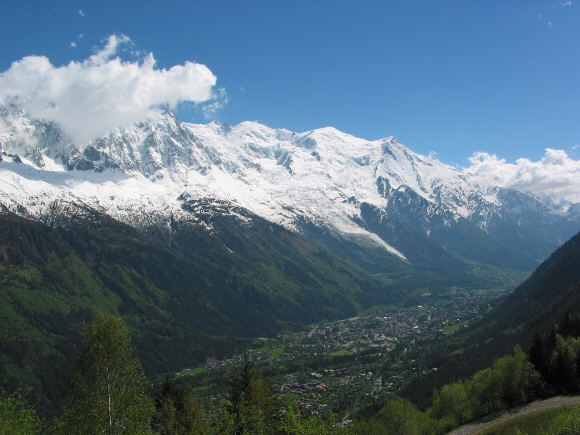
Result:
x=341 y=353
x=273 y=351
x=454 y=328
x=191 y=372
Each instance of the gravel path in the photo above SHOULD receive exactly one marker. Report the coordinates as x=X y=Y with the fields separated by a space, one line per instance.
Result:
x=504 y=416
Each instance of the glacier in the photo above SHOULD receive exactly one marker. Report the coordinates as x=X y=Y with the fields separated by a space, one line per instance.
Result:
x=140 y=174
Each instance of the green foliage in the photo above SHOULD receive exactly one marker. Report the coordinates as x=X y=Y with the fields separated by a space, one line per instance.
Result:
x=240 y=386
x=485 y=392
x=296 y=423
x=397 y=417
x=17 y=417
x=552 y=421
x=510 y=381
x=563 y=363
x=401 y=417
x=567 y=422
x=557 y=357
x=251 y=407
x=108 y=388
x=517 y=378
x=453 y=403
x=178 y=411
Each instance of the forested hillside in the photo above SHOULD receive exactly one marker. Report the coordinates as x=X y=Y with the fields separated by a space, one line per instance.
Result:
x=186 y=295
x=550 y=294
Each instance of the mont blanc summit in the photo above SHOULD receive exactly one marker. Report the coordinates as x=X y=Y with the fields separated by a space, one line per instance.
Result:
x=377 y=192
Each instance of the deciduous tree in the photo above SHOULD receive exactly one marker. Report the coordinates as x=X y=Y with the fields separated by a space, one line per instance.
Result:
x=17 y=416
x=108 y=391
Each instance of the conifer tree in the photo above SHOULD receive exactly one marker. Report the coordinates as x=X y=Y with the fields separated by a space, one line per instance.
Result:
x=178 y=411
x=251 y=407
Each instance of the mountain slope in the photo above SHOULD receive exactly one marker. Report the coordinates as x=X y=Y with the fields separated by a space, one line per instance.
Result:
x=185 y=294
x=543 y=299
x=532 y=308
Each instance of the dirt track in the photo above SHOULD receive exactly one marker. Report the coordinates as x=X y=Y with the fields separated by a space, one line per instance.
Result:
x=498 y=418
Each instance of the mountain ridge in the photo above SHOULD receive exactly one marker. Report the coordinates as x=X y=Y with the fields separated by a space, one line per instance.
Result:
x=143 y=173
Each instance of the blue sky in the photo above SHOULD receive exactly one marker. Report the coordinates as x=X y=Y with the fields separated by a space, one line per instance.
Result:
x=454 y=77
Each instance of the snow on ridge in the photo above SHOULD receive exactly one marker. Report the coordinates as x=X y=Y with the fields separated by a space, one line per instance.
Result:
x=277 y=174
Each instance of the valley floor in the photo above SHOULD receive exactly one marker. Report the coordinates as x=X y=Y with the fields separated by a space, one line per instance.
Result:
x=348 y=365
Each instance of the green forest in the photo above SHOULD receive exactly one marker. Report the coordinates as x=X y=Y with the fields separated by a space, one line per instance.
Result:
x=182 y=306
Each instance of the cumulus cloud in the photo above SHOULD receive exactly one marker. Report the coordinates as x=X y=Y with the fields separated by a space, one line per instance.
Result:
x=555 y=173
x=90 y=98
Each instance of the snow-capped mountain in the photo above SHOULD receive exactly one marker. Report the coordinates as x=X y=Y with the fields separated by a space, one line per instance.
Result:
x=369 y=191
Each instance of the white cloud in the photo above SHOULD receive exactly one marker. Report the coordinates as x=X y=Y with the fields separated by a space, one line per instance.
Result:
x=82 y=13
x=90 y=98
x=567 y=3
x=540 y=17
x=550 y=24
x=221 y=99
x=109 y=50
x=555 y=173
x=73 y=44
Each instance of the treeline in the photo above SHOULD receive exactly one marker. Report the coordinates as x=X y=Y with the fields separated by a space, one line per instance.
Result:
x=557 y=356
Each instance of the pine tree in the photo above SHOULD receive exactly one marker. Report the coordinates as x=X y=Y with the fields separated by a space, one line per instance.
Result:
x=108 y=388
x=251 y=407
x=178 y=411
x=240 y=385
x=538 y=354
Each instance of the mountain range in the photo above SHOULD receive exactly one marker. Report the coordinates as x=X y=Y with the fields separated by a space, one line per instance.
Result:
x=202 y=236
x=157 y=173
